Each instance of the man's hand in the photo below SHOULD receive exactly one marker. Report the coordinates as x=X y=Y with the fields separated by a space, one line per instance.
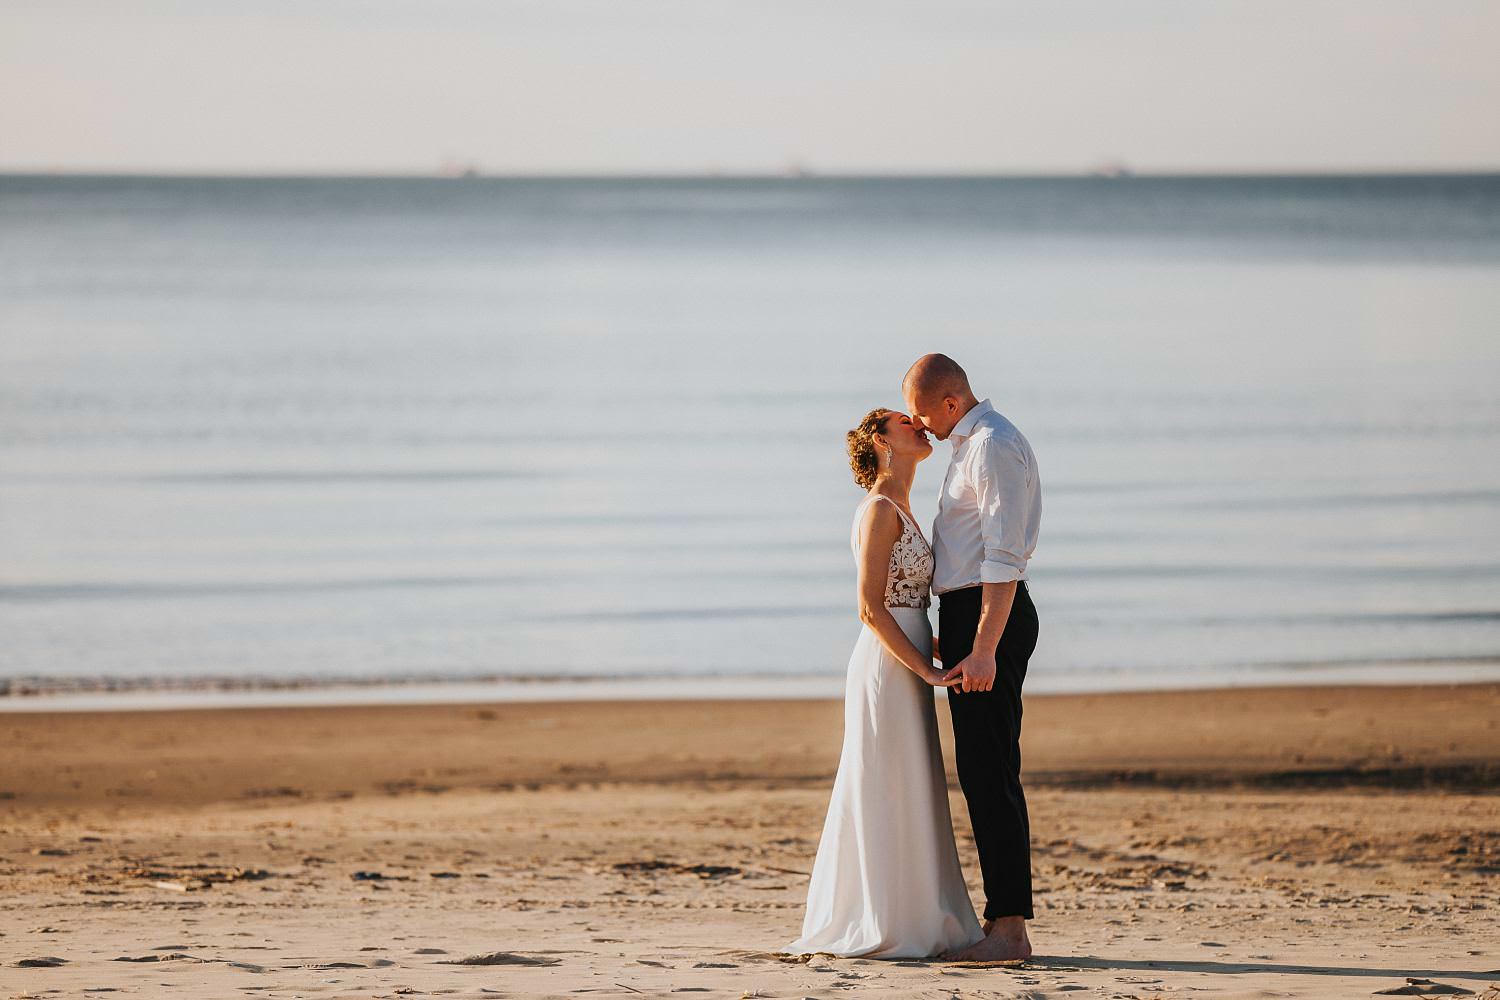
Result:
x=937 y=678
x=977 y=672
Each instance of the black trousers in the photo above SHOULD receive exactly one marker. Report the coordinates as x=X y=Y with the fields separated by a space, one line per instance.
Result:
x=987 y=745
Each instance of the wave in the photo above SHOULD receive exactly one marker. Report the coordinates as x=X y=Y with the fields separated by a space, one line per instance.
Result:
x=30 y=687
x=699 y=614
x=1190 y=621
x=1136 y=619
x=1341 y=501
x=279 y=476
x=145 y=590
x=1339 y=573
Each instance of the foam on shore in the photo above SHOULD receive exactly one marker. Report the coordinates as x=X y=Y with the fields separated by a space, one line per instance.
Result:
x=148 y=694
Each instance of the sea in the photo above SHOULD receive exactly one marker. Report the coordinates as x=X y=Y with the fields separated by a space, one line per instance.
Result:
x=280 y=439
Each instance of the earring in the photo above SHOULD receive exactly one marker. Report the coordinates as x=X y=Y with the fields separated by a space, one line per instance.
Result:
x=888 y=456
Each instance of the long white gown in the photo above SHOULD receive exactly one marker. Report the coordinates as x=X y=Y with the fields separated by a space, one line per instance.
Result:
x=886 y=882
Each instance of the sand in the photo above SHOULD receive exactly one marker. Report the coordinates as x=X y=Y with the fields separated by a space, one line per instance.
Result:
x=1306 y=842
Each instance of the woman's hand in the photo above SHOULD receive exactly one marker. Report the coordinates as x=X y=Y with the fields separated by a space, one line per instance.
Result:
x=939 y=678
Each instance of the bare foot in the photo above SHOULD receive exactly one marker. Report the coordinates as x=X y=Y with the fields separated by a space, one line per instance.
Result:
x=1004 y=940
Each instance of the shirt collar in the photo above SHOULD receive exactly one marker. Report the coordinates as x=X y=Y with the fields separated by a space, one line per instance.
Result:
x=966 y=424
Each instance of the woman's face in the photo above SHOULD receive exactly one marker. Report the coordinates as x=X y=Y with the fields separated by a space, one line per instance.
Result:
x=904 y=437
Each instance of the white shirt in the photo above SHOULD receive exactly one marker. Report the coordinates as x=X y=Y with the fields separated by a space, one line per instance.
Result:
x=991 y=508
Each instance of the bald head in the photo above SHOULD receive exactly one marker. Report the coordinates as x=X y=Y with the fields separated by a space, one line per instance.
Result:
x=936 y=375
x=937 y=393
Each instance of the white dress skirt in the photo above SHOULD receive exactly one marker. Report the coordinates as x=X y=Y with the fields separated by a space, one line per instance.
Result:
x=886 y=882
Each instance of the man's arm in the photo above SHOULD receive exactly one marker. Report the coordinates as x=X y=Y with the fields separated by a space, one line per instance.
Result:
x=977 y=671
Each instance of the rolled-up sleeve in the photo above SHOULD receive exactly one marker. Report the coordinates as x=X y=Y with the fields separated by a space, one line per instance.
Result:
x=1001 y=478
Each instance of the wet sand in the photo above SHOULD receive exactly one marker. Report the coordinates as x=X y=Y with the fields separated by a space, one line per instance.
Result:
x=1305 y=842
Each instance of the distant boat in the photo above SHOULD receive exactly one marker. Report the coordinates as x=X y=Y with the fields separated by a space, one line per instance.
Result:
x=457 y=169
x=1112 y=168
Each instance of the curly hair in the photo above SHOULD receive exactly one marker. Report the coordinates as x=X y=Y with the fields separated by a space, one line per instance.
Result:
x=862 y=446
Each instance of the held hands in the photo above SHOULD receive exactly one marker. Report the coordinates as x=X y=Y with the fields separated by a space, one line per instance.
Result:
x=936 y=677
x=975 y=673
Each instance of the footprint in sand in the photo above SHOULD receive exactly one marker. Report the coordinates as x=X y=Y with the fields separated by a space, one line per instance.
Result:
x=178 y=956
x=379 y=963
x=502 y=958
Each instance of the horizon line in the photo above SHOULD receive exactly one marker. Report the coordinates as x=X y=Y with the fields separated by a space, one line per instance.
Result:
x=475 y=173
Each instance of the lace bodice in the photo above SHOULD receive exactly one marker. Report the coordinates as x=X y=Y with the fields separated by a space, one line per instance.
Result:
x=908 y=581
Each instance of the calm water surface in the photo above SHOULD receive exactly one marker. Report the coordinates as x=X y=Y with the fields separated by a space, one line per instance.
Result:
x=375 y=429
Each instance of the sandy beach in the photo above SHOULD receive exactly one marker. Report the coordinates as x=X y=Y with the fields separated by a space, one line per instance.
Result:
x=1294 y=842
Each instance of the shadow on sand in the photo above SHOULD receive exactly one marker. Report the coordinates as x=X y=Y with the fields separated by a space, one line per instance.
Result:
x=1052 y=963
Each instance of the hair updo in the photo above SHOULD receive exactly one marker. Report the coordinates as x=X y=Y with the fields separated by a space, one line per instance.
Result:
x=862 y=446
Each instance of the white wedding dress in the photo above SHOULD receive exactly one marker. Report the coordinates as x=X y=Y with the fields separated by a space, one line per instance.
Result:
x=886 y=882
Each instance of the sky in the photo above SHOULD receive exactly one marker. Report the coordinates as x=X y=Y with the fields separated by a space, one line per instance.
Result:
x=704 y=86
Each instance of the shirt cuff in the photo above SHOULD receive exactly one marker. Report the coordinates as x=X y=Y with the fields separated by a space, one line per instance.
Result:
x=994 y=571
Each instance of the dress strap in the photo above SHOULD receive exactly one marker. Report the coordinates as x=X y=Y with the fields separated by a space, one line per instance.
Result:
x=911 y=522
x=899 y=512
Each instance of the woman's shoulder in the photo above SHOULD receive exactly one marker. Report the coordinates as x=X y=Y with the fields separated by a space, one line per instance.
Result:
x=878 y=515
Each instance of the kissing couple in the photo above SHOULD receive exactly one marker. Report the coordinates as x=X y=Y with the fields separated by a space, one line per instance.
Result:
x=886 y=882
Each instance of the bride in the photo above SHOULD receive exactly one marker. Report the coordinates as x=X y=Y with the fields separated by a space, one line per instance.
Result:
x=886 y=882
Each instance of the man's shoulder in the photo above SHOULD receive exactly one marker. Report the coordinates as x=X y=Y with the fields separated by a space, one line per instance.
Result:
x=995 y=427
x=996 y=439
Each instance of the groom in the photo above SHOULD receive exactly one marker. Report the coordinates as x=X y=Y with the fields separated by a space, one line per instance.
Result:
x=985 y=532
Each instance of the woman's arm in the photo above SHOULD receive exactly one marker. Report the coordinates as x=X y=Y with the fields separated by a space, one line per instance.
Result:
x=878 y=533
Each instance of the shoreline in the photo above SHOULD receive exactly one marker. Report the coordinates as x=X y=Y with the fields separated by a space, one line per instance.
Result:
x=1290 y=737
x=96 y=694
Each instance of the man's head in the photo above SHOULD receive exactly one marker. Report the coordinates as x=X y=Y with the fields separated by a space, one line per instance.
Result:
x=937 y=394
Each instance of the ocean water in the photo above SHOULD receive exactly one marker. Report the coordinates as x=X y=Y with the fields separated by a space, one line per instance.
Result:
x=277 y=431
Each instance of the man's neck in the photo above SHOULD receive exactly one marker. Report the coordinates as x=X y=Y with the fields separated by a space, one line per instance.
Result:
x=968 y=405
